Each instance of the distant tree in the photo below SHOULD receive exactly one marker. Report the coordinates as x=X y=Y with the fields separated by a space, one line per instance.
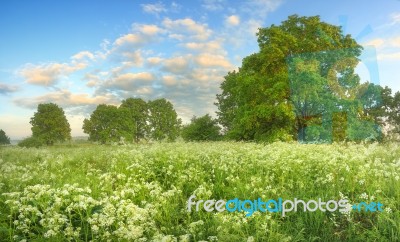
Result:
x=201 y=129
x=163 y=120
x=49 y=124
x=4 y=139
x=109 y=124
x=139 y=113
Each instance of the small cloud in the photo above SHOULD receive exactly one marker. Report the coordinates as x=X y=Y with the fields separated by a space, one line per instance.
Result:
x=130 y=40
x=187 y=27
x=213 y=5
x=213 y=46
x=83 y=55
x=176 y=65
x=130 y=81
x=147 y=29
x=6 y=89
x=66 y=99
x=48 y=74
x=153 y=61
x=92 y=79
x=155 y=8
x=232 y=20
x=169 y=80
x=210 y=60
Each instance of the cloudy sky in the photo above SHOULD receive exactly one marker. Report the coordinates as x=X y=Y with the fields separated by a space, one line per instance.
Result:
x=79 y=54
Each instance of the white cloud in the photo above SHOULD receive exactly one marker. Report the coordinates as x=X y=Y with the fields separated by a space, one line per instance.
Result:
x=155 y=8
x=210 y=60
x=232 y=20
x=83 y=55
x=169 y=80
x=130 y=40
x=153 y=61
x=130 y=81
x=176 y=65
x=213 y=46
x=48 y=74
x=187 y=26
x=66 y=98
x=148 y=29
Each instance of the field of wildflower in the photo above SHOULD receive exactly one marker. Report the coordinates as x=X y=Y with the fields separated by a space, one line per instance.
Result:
x=140 y=192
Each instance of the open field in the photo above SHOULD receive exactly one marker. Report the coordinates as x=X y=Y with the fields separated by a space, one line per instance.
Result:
x=140 y=193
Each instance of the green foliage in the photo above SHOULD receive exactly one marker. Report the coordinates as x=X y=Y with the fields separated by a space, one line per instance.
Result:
x=302 y=75
x=4 y=139
x=50 y=124
x=109 y=123
x=201 y=129
x=31 y=142
x=163 y=120
x=394 y=113
x=139 y=114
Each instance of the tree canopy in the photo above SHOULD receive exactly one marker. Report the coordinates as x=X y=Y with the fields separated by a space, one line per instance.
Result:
x=163 y=120
x=139 y=113
x=133 y=120
x=300 y=85
x=201 y=129
x=109 y=123
x=4 y=139
x=50 y=124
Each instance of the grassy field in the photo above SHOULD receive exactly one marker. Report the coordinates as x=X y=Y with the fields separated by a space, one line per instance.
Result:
x=140 y=193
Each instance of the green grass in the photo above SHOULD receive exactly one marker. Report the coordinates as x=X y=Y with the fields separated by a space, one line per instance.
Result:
x=83 y=192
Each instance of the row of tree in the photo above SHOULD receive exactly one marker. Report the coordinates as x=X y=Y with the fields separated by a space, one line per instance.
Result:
x=132 y=121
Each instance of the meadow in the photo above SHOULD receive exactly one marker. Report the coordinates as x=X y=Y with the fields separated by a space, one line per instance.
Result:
x=140 y=192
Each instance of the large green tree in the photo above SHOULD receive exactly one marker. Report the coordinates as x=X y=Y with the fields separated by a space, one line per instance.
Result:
x=50 y=124
x=109 y=123
x=301 y=85
x=4 y=139
x=201 y=129
x=163 y=120
x=139 y=113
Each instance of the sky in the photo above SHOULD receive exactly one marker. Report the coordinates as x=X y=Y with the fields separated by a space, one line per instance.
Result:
x=81 y=53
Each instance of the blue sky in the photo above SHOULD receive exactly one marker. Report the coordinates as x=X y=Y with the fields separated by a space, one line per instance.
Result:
x=81 y=53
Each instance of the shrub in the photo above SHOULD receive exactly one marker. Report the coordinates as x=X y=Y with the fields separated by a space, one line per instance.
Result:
x=31 y=142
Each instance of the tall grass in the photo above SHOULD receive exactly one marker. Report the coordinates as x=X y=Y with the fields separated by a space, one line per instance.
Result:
x=139 y=193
